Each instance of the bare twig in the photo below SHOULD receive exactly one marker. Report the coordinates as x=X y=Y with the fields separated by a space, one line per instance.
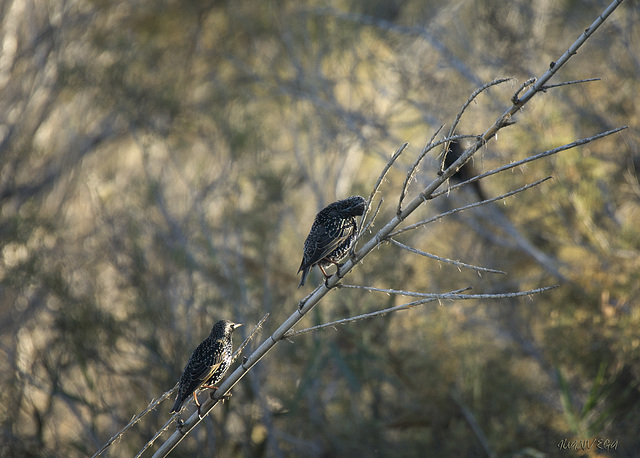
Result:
x=453 y=295
x=471 y=98
x=375 y=189
x=466 y=207
x=366 y=227
x=255 y=329
x=566 y=83
x=152 y=405
x=414 y=167
x=448 y=261
x=547 y=153
x=515 y=98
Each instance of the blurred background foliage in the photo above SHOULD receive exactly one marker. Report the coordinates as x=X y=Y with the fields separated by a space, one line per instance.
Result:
x=162 y=162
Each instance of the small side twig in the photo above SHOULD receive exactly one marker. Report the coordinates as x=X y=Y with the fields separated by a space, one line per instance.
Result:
x=246 y=341
x=383 y=174
x=471 y=98
x=152 y=405
x=466 y=207
x=515 y=98
x=410 y=174
x=446 y=260
x=542 y=155
x=566 y=83
x=453 y=295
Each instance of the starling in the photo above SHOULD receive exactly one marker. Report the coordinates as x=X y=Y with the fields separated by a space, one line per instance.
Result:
x=332 y=235
x=207 y=364
x=466 y=172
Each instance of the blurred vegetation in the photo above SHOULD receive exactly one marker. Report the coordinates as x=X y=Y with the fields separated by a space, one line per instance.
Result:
x=161 y=164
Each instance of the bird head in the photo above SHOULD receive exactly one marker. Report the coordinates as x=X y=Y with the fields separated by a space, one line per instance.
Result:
x=353 y=206
x=224 y=327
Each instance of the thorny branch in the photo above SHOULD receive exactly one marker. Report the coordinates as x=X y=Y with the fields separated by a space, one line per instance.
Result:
x=453 y=295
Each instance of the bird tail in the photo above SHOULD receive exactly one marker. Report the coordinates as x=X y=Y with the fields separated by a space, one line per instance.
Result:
x=177 y=405
x=305 y=272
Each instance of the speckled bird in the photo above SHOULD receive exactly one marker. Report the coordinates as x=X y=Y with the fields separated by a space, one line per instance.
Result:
x=332 y=235
x=207 y=364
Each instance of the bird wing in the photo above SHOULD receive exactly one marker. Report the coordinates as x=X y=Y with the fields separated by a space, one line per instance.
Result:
x=202 y=369
x=327 y=240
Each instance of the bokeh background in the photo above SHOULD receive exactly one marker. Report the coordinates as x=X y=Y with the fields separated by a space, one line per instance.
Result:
x=162 y=162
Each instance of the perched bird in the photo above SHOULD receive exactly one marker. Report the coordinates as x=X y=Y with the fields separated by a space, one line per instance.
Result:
x=332 y=235
x=207 y=364
x=466 y=172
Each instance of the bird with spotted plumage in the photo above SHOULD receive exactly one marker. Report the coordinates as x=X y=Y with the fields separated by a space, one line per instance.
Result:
x=332 y=235
x=207 y=364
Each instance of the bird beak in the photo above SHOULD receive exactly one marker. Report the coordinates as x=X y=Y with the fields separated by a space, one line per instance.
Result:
x=235 y=326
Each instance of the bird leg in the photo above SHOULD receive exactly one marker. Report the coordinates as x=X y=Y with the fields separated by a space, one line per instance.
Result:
x=195 y=399
x=326 y=275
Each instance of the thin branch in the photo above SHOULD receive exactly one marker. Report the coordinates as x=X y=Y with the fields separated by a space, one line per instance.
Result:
x=155 y=437
x=363 y=229
x=471 y=98
x=448 y=261
x=386 y=168
x=523 y=86
x=566 y=83
x=429 y=146
x=374 y=191
x=399 y=292
x=453 y=295
x=427 y=298
x=530 y=159
x=466 y=207
x=255 y=329
x=152 y=405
